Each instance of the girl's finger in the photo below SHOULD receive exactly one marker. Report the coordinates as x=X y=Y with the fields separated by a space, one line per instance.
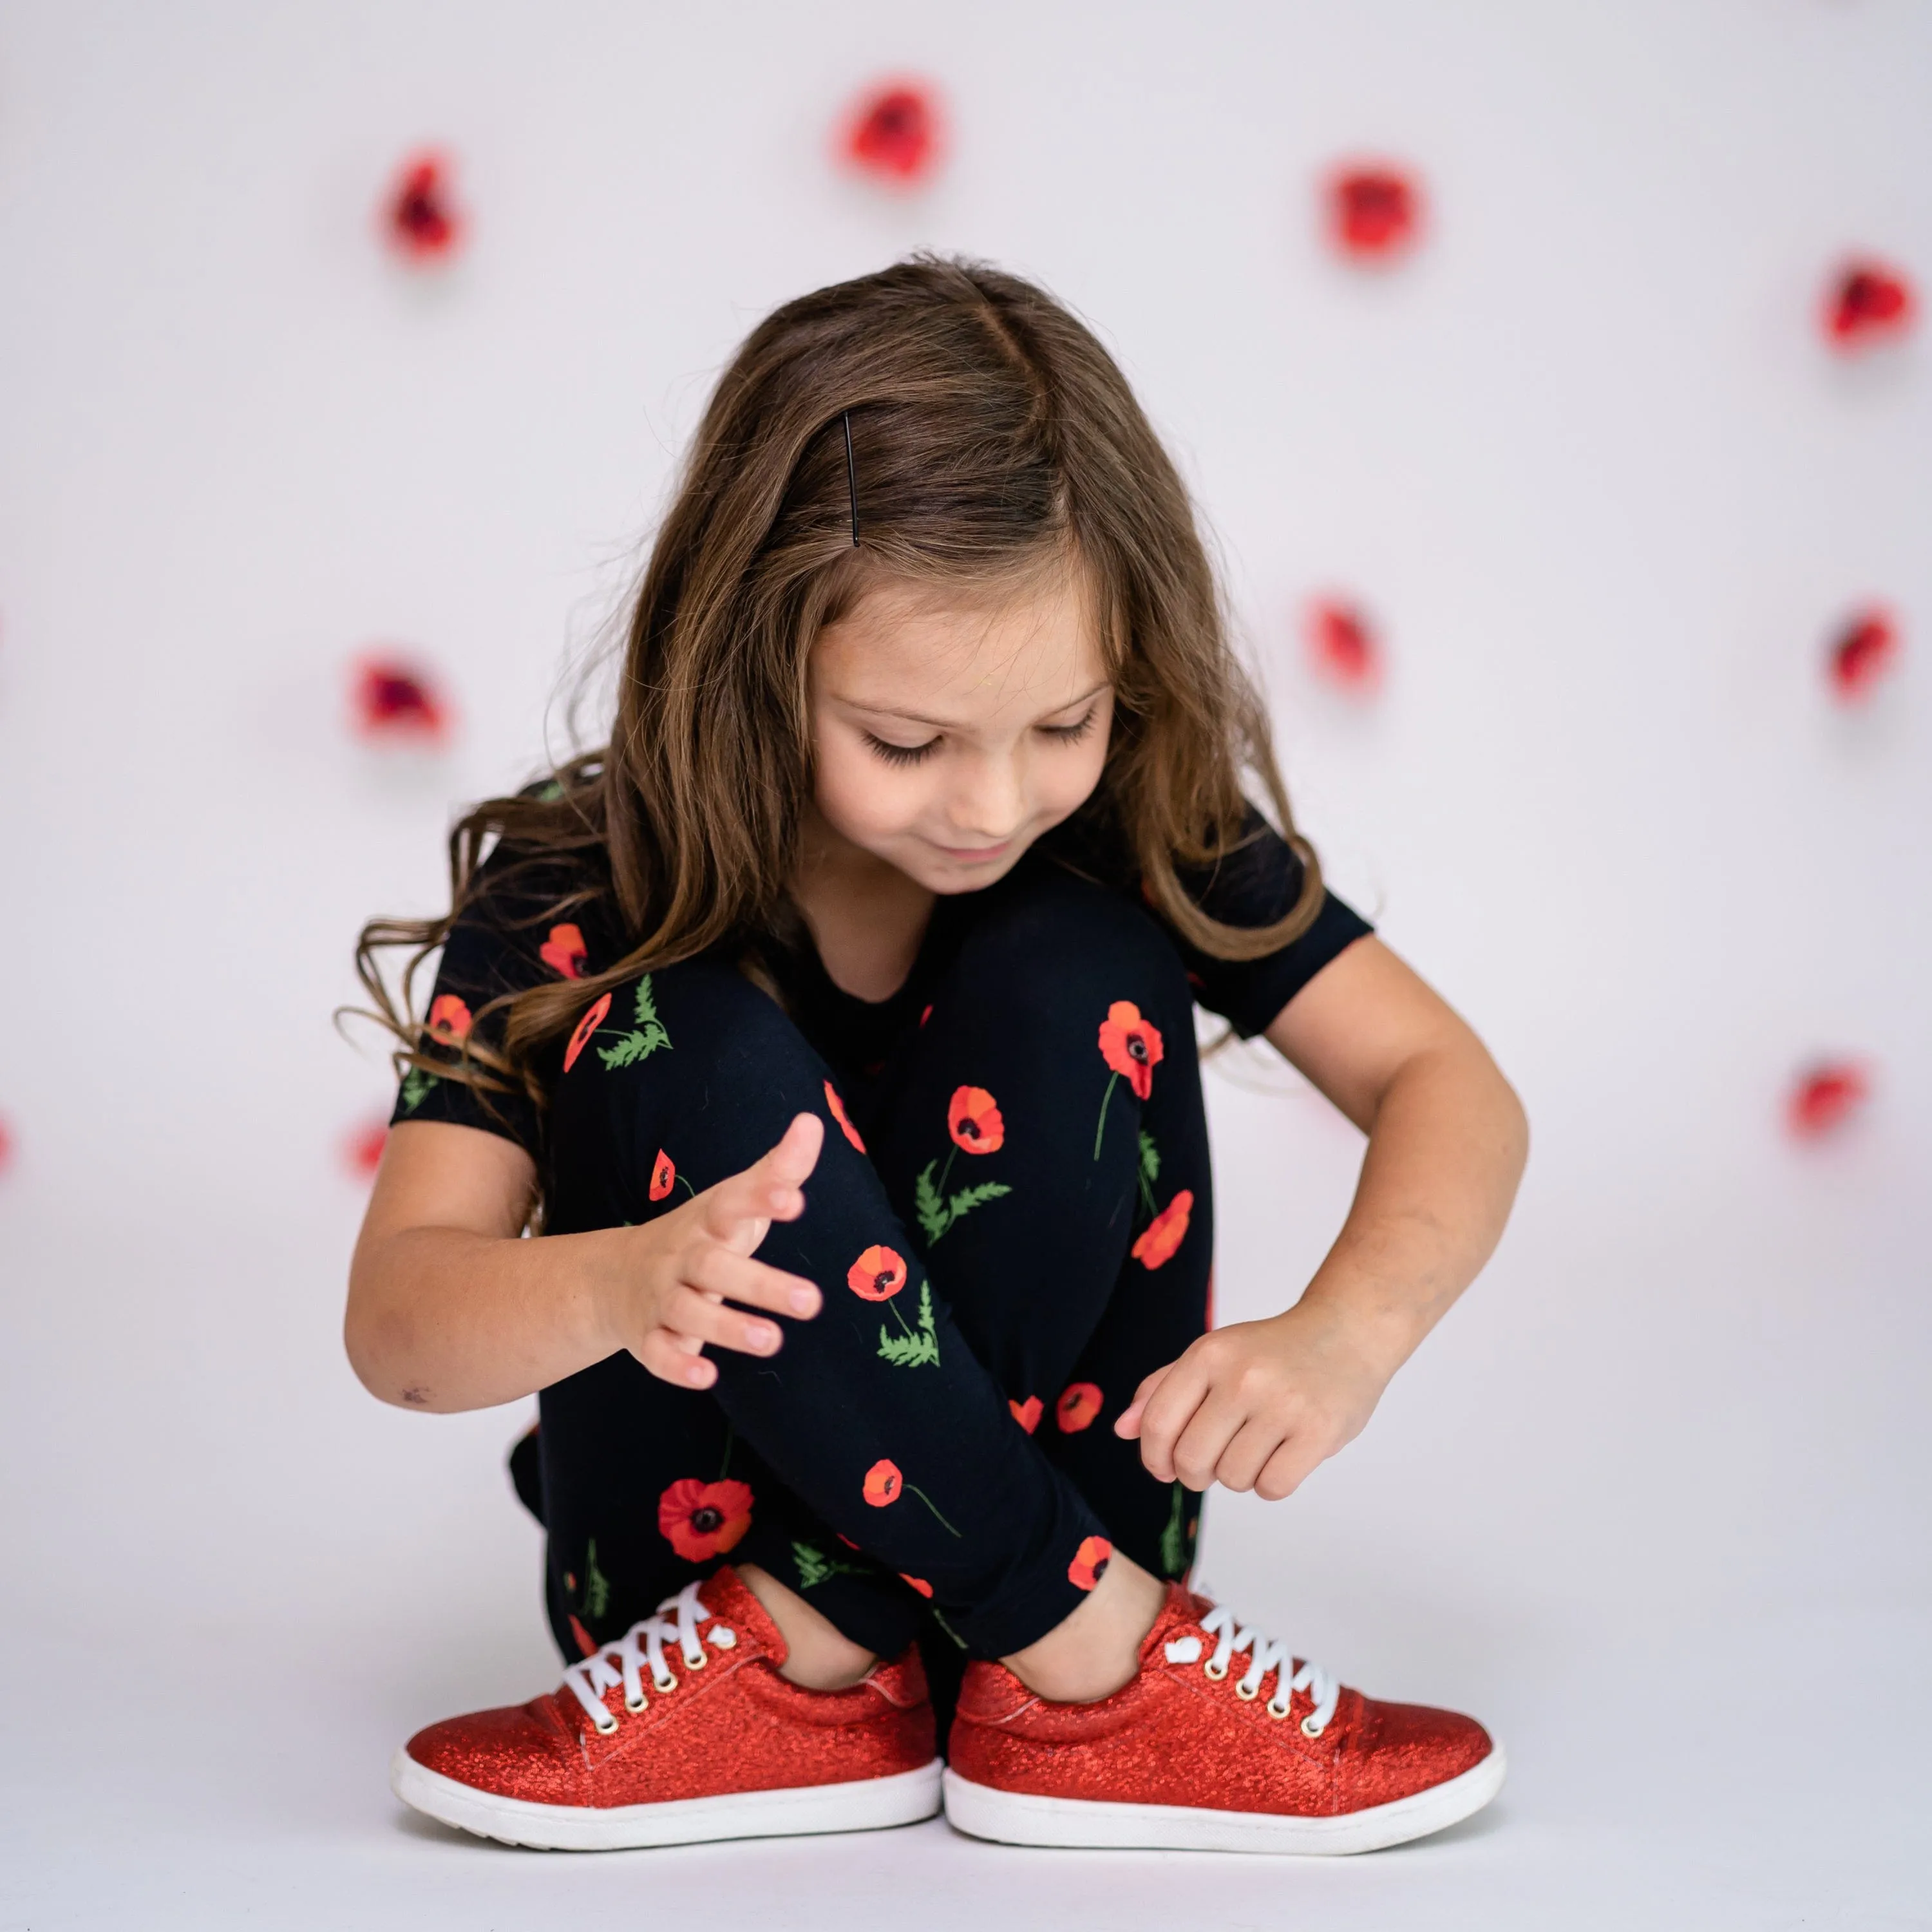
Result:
x=1287 y=1469
x=663 y=1353
x=695 y=1315
x=1166 y=1412
x=1210 y=1430
x=1127 y=1423
x=741 y=1206
x=719 y=1271
x=1244 y=1459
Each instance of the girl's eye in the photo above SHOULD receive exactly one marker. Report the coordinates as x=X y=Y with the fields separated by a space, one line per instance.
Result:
x=1072 y=734
x=902 y=754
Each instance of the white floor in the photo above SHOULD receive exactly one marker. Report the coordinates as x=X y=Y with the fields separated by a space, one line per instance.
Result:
x=1764 y=1776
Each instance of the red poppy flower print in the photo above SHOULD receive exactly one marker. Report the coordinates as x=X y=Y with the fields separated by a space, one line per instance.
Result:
x=664 y=1175
x=423 y=223
x=1825 y=1097
x=973 y=1120
x=1864 y=651
x=1869 y=302
x=1164 y=1232
x=1028 y=1413
x=586 y=1644
x=1079 y=1406
x=1131 y=1045
x=393 y=702
x=702 y=1520
x=838 y=1114
x=1374 y=211
x=585 y=1026
x=1090 y=1562
x=883 y=1483
x=448 y=1020
x=877 y=1275
x=893 y=133
x=564 y=952
x=919 y=1583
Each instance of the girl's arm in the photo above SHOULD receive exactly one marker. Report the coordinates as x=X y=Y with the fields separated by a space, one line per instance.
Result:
x=449 y=1308
x=1258 y=1405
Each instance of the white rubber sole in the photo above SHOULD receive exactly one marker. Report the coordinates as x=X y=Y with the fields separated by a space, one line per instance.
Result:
x=864 y=1805
x=1022 y=1818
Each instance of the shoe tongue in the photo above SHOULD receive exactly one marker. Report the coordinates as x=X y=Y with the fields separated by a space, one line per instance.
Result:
x=1181 y=1611
x=725 y=1594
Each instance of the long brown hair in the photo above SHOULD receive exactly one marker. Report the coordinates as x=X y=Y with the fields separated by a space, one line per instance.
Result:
x=989 y=431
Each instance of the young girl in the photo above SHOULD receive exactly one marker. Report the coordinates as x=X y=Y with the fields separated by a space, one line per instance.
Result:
x=835 y=1025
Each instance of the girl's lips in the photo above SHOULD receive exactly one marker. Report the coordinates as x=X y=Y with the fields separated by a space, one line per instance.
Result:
x=971 y=855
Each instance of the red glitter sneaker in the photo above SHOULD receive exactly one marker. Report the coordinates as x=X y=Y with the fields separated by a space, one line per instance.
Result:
x=1183 y=1759
x=630 y=1752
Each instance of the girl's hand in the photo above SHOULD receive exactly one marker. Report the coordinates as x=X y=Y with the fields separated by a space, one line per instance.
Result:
x=1258 y=1405
x=667 y=1298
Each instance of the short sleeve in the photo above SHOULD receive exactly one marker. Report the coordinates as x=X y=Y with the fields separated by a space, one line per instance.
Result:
x=1254 y=886
x=500 y=944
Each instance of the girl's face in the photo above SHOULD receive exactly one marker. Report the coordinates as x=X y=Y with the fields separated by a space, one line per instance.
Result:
x=949 y=734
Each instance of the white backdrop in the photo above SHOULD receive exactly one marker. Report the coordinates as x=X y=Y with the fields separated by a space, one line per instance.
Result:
x=1655 y=1500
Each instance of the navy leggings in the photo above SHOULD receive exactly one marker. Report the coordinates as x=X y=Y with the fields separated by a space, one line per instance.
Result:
x=1011 y=1224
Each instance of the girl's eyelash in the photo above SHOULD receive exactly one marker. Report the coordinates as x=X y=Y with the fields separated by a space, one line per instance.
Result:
x=901 y=754
x=1072 y=734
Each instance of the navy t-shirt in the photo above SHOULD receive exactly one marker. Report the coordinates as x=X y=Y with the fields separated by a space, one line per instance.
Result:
x=507 y=940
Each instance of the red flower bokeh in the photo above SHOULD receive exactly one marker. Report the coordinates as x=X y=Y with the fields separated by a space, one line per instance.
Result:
x=1131 y=1045
x=448 y=1020
x=893 y=132
x=1825 y=1097
x=395 y=702
x=586 y=1643
x=877 y=1275
x=424 y=223
x=585 y=1026
x=1028 y=1413
x=1863 y=651
x=1869 y=302
x=1164 y=1232
x=1079 y=1406
x=838 y=1114
x=919 y=1583
x=1342 y=645
x=701 y=1520
x=362 y=1148
x=1374 y=211
x=883 y=1483
x=664 y=1175
x=564 y=952
x=1090 y=1562
x=973 y=1120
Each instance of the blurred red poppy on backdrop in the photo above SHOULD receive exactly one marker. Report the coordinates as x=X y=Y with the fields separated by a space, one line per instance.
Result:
x=1090 y=1562
x=564 y=951
x=1028 y=1413
x=1079 y=1403
x=1825 y=1097
x=423 y=223
x=1374 y=211
x=585 y=1026
x=393 y=701
x=1868 y=302
x=1132 y=1046
x=664 y=1175
x=701 y=1520
x=893 y=132
x=877 y=1275
x=1863 y=651
x=1342 y=645
x=883 y=1484
x=973 y=1120
x=1164 y=1232
x=838 y=1107
x=363 y=1147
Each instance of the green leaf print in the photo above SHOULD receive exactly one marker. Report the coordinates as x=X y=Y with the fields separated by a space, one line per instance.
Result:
x=646 y=1036
x=1150 y=1168
x=814 y=1566
x=937 y=1213
x=416 y=1084
x=596 y=1586
x=1173 y=1538
x=913 y=1349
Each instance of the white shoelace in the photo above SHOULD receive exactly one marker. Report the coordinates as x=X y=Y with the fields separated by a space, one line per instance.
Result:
x=1265 y=1655
x=625 y=1661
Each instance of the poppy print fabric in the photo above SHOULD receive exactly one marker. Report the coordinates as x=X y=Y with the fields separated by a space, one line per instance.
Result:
x=1010 y=1223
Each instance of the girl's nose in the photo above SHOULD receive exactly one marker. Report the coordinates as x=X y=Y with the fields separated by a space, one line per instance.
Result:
x=990 y=804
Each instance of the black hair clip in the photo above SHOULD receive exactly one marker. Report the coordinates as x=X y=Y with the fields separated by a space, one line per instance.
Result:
x=851 y=475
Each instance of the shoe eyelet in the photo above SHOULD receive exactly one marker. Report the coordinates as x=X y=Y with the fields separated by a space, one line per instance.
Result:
x=696 y=1662
x=634 y=1709
x=606 y=1725
x=664 y=1685
x=1277 y=1711
x=1310 y=1728
x=723 y=1636
x=1247 y=1695
x=1210 y=1668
